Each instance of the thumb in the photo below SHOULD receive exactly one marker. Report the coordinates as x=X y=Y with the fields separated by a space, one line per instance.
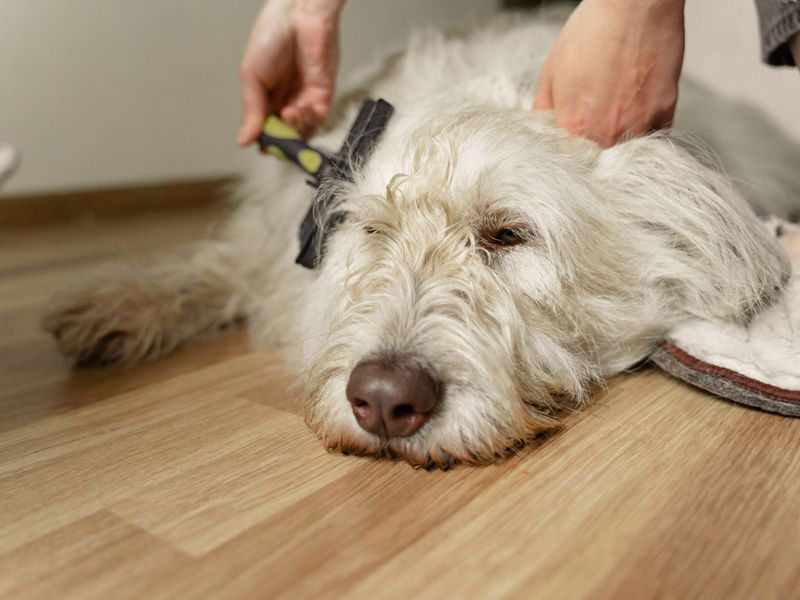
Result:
x=254 y=110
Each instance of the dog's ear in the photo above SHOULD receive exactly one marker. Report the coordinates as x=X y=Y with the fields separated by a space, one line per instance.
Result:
x=712 y=250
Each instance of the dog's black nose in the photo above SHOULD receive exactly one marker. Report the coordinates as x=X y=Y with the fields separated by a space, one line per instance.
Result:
x=391 y=399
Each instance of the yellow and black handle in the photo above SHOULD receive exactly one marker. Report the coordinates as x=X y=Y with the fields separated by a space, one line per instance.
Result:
x=280 y=139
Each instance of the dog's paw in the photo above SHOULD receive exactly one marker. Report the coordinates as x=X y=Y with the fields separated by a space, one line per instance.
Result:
x=110 y=322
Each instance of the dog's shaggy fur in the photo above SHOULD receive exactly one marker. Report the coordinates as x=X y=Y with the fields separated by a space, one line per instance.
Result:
x=514 y=264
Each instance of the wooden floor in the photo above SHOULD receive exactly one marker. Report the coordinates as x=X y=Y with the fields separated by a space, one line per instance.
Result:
x=195 y=477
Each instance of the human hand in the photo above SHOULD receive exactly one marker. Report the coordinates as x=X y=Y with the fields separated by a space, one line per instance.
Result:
x=794 y=47
x=289 y=65
x=614 y=69
x=791 y=244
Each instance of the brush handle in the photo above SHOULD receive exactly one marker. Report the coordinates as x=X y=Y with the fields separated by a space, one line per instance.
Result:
x=278 y=138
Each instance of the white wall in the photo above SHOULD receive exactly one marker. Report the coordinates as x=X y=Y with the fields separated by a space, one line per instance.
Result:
x=107 y=92
x=723 y=51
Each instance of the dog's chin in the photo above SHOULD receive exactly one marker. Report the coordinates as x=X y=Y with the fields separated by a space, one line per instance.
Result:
x=418 y=455
x=426 y=449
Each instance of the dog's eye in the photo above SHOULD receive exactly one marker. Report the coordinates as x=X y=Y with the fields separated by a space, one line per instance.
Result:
x=506 y=237
x=371 y=230
x=502 y=237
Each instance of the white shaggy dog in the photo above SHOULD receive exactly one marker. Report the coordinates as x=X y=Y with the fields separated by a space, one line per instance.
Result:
x=489 y=270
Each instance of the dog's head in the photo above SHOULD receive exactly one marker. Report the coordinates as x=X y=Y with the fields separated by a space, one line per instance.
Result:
x=490 y=269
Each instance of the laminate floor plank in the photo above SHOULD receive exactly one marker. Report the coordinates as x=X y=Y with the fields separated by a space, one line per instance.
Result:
x=99 y=556
x=79 y=462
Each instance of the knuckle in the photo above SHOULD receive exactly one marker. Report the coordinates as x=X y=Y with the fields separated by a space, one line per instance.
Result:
x=572 y=122
x=247 y=73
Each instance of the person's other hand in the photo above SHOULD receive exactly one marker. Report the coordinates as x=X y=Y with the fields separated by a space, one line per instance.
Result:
x=791 y=243
x=289 y=65
x=614 y=69
x=794 y=47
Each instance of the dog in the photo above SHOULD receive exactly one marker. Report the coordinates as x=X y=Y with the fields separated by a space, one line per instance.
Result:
x=489 y=272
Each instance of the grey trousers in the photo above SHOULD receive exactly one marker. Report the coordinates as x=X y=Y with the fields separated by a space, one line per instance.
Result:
x=779 y=21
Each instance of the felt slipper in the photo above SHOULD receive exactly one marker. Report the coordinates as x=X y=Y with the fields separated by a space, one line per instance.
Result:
x=757 y=364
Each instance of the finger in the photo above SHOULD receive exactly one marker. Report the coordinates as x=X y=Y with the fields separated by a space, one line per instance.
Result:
x=664 y=119
x=314 y=116
x=610 y=137
x=635 y=129
x=603 y=125
x=544 y=94
x=255 y=106
x=308 y=109
x=578 y=124
x=610 y=134
x=279 y=96
x=642 y=125
x=301 y=118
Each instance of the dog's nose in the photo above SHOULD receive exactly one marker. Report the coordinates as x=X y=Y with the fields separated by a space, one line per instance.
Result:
x=390 y=399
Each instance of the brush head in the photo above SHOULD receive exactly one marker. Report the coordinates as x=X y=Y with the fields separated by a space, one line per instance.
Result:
x=320 y=221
